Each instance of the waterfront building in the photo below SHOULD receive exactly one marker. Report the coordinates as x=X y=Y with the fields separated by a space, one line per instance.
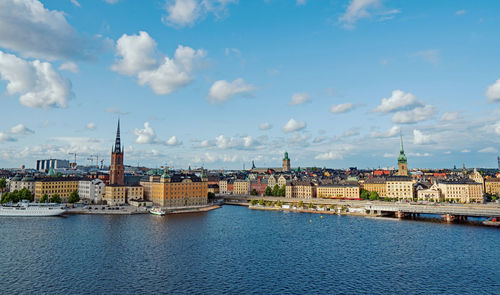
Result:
x=431 y=194
x=375 y=185
x=116 y=170
x=45 y=165
x=259 y=185
x=213 y=188
x=282 y=180
x=338 y=190
x=92 y=190
x=402 y=161
x=300 y=190
x=146 y=182
x=492 y=186
x=286 y=163
x=223 y=186
x=477 y=177
x=399 y=187
x=461 y=191
x=62 y=186
x=241 y=187
x=271 y=181
x=181 y=189
x=18 y=183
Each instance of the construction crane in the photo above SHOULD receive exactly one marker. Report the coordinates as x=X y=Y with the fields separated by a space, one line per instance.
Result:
x=91 y=159
x=74 y=163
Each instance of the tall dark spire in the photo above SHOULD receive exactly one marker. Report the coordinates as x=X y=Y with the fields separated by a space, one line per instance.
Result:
x=118 y=147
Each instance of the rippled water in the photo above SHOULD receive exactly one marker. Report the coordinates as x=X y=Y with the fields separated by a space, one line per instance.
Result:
x=236 y=250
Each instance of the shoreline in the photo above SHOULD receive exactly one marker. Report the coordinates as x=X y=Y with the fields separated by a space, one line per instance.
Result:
x=74 y=211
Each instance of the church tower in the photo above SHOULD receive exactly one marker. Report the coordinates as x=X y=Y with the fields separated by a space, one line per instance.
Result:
x=286 y=163
x=116 y=171
x=402 y=162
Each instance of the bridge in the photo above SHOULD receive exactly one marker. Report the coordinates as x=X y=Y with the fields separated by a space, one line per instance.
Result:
x=460 y=211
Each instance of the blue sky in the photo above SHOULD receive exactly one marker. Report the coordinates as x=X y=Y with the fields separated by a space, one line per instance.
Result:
x=220 y=83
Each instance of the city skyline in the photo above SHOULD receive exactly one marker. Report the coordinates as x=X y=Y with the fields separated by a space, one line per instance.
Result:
x=221 y=83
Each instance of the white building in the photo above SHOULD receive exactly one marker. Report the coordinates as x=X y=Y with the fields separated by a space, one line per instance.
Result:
x=18 y=183
x=92 y=190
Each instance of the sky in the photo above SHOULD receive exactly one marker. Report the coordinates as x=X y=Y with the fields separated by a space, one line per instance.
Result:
x=220 y=83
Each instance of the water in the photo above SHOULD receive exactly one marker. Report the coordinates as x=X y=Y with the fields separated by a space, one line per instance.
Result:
x=237 y=250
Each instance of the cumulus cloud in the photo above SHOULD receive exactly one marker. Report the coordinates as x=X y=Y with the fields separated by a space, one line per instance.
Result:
x=450 y=116
x=341 y=108
x=265 y=126
x=414 y=116
x=489 y=149
x=38 y=84
x=172 y=141
x=70 y=67
x=420 y=138
x=293 y=125
x=299 y=98
x=223 y=90
x=329 y=156
x=138 y=57
x=181 y=13
x=399 y=100
x=146 y=135
x=91 y=126
x=223 y=142
x=493 y=91
x=5 y=137
x=393 y=131
x=21 y=129
x=29 y=28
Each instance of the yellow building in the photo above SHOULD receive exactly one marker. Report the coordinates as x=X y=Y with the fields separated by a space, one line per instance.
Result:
x=179 y=190
x=343 y=191
x=461 y=191
x=146 y=185
x=223 y=186
x=399 y=187
x=492 y=186
x=121 y=194
x=300 y=190
x=241 y=187
x=62 y=186
x=375 y=185
x=431 y=194
x=477 y=177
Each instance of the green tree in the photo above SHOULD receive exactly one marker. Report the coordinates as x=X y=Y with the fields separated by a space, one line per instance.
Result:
x=55 y=198
x=301 y=204
x=44 y=198
x=374 y=196
x=261 y=202
x=25 y=194
x=253 y=202
x=3 y=184
x=276 y=190
x=211 y=195
x=282 y=191
x=269 y=191
x=73 y=197
x=254 y=192
x=364 y=194
x=310 y=206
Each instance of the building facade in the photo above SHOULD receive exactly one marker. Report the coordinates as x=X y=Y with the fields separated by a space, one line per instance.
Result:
x=62 y=186
x=492 y=186
x=300 y=190
x=375 y=185
x=179 y=190
x=241 y=187
x=92 y=190
x=461 y=191
x=116 y=170
x=341 y=191
x=399 y=187
x=18 y=183
x=45 y=165
x=286 y=163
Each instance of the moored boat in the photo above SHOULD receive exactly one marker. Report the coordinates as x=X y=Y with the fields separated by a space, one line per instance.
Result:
x=26 y=209
x=157 y=211
x=495 y=221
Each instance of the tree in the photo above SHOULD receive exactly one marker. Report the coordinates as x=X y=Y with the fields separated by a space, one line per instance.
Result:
x=282 y=191
x=25 y=194
x=261 y=202
x=269 y=191
x=311 y=205
x=276 y=190
x=211 y=195
x=73 y=197
x=55 y=198
x=374 y=196
x=253 y=202
x=301 y=204
x=3 y=184
x=254 y=192
x=44 y=198
x=364 y=194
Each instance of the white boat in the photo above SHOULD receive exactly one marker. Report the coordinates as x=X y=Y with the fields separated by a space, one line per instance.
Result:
x=26 y=209
x=157 y=211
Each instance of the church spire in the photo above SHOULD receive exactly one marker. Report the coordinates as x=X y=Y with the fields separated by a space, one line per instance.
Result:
x=118 y=147
x=401 y=151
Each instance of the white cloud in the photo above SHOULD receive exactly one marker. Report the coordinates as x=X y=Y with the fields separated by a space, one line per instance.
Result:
x=146 y=135
x=413 y=116
x=419 y=154
x=181 y=13
x=91 y=126
x=29 y=28
x=76 y=3
x=5 y=137
x=21 y=129
x=173 y=141
x=341 y=108
x=420 y=138
x=139 y=57
x=359 y=9
x=265 y=126
x=489 y=150
x=293 y=125
x=329 y=156
x=299 y=98
x=496 y=127
x=395 y=130
x=70 y=67
x=38 y=84
x=430 y=55
x=450 y=116
x=461 y=12
x=493 y=92
x=223 y=90
x=399 y=100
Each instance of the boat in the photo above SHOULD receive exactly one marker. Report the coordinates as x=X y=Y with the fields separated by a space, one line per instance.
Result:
x=157 y=211
x=26 y=209
x=495 y=221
